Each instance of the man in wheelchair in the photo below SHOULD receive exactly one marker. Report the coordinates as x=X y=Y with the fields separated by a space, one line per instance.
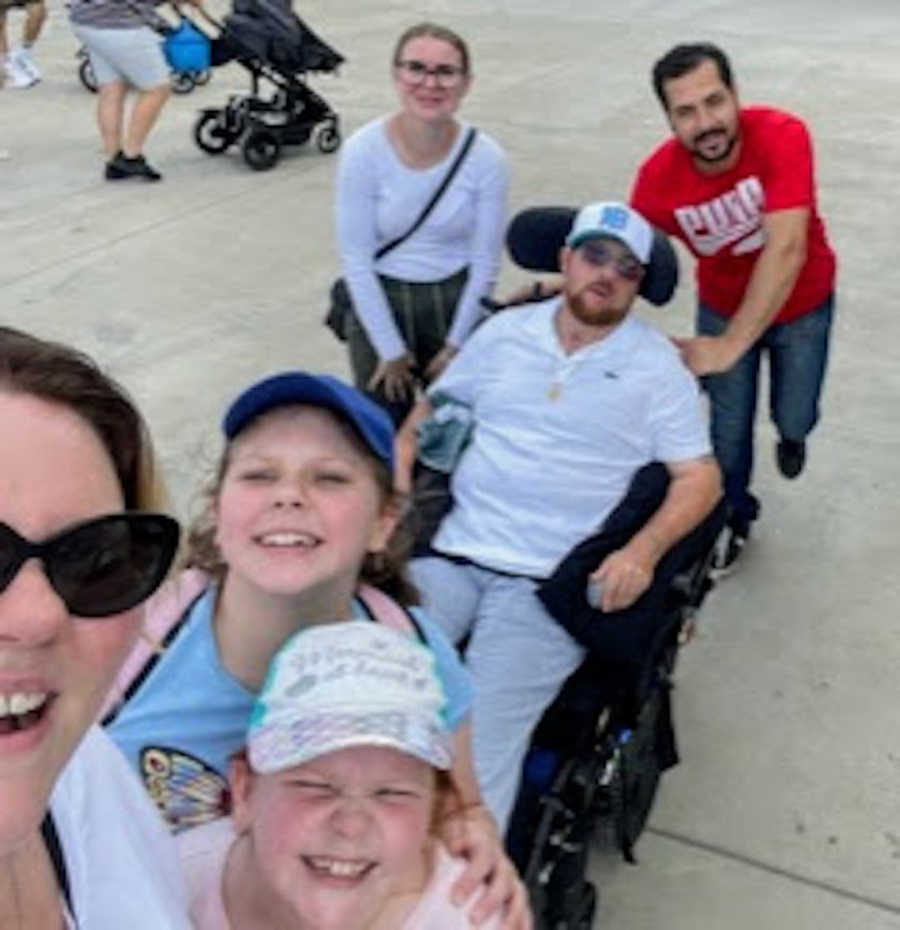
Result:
x=568 y=399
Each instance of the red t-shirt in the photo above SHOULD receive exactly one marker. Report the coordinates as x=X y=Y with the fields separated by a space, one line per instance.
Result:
x=719 y=217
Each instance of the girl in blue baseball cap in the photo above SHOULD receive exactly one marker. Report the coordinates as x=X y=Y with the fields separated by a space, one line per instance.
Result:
x=299 y=530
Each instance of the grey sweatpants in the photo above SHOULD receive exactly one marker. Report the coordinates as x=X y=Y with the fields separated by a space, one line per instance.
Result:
x=518 y=656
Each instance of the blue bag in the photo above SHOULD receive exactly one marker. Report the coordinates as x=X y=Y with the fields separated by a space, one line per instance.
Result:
x=187 y=48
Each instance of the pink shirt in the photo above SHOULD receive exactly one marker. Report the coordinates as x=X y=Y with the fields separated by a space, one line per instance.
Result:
x=204 y=849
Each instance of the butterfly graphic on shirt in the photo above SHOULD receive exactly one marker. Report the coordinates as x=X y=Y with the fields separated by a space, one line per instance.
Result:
x=184 y=788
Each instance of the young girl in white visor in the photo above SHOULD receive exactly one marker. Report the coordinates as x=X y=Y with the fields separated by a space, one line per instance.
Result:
x=338 y=795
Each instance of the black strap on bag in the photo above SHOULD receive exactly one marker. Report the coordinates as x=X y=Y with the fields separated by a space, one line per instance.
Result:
x=58 y=859
x=435 y=197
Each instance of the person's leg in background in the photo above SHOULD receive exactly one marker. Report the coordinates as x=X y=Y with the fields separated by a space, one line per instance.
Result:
x=4 y=45
x=5 y=76
x=110 y=113
x=798 y=352
x=35 y=17
x=732 y=397
x=125 y=152
x=13 y=76
x=144 y=113
x=121 y=58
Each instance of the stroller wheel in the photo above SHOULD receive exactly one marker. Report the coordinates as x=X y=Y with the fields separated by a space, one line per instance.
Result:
x=261 y=149
x=328 y=139
x=201 y=77
x=210 y=135
x=86 y=75
x=183 y=82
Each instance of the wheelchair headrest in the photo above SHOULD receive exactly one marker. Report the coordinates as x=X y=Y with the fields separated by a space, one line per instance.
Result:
x=536 y=235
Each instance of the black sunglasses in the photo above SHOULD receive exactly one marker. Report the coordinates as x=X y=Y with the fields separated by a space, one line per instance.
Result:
x=598 y=252
x=102 y=566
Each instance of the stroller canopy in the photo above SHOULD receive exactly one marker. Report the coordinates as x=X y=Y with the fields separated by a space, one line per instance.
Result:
x=271 y=31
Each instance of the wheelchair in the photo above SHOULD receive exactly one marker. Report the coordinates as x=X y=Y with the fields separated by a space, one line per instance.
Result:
x=596 y=757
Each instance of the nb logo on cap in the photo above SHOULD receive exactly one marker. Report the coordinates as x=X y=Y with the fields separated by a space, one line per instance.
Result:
x=614 y=218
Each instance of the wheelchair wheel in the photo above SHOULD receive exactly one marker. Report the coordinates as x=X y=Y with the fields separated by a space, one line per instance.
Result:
x=86 y=76
x=626 y=800
x=641 y=773
x=261 y=149
x=211 y=136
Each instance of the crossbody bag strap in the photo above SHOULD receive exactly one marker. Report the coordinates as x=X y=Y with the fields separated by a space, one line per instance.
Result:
x=435 y=197
x=380 y=608
x=57 y=858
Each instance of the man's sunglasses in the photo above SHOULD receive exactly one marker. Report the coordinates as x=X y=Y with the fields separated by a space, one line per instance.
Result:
x=100 y=567
x=599 y=253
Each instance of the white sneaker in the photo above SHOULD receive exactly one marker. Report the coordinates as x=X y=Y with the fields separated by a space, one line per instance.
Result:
x=16 y=77
x=22 y=57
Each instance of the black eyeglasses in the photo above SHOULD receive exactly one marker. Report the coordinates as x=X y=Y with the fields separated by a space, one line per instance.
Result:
x=597 y=252
x=102 y=566
x=416 y=72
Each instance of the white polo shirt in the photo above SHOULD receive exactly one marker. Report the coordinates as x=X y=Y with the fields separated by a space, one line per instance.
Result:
x=558 y=437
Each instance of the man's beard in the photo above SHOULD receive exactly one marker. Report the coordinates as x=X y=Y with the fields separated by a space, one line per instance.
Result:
x=714 y=159
x=608 y=316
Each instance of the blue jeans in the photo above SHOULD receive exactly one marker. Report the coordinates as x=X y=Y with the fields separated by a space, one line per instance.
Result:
x=798 y=353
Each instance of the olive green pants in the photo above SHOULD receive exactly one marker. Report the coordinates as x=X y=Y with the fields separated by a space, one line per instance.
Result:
x=423 y=314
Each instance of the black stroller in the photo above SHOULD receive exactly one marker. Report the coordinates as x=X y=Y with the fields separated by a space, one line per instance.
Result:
x=596 y=757
x=272 y=43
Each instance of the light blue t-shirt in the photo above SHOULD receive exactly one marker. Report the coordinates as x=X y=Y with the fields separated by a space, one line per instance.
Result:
x=185 y=721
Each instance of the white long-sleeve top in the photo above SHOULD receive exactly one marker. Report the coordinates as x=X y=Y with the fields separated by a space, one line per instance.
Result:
x=379 y=198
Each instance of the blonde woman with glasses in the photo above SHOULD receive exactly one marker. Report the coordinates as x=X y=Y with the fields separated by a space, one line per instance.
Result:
x=414 y=284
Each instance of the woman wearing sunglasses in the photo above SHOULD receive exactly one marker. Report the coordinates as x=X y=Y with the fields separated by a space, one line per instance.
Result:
x=80 y=549
x=414 y=304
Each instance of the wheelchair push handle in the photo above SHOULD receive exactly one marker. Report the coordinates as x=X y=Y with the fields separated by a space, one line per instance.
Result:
x=536 y=294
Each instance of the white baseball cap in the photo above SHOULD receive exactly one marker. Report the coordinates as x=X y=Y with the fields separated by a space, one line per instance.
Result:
x=350 y=683
x=617 y=221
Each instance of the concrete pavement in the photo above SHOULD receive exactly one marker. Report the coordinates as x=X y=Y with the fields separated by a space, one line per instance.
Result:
x=785 y=810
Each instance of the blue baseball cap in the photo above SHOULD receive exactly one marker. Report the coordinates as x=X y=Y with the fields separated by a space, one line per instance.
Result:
x=300 y=387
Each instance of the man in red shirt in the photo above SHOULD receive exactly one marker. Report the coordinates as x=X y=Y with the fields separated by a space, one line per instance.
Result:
x=736 y=185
